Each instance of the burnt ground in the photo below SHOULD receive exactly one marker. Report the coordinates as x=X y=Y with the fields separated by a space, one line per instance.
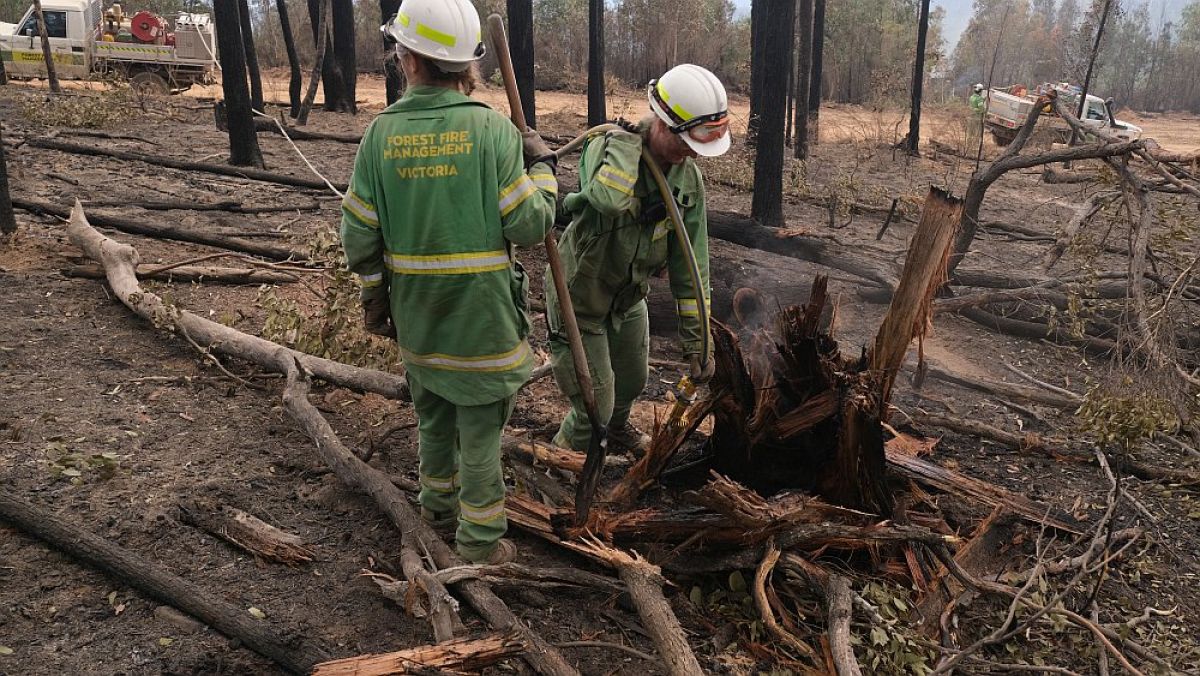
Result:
x=80 y=377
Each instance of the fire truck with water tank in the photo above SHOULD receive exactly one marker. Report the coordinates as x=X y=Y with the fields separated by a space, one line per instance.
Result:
x=89 y=42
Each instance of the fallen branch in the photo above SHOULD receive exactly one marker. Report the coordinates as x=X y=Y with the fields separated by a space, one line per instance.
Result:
x=246 y=532
x=469 y=654
x=192 y=273
x=511 y=574
x=294 y=654
x=183 y=165
x=120 y=261
x=391 y=501
x=229 y=206
x=645 y=588
x=172 y=231
x=759 y=594
x=838 y=610
x=1083 y=214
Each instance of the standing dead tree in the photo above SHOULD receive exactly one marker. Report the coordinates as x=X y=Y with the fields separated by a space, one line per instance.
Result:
x=243 y=140
x=520 y=40
x=8 y=223
x=803 y=76
x=913 y=140
x=247 y=28
x=47 y=54
x=393 y=74
x=597 y=110
x=295 y=77
x=818 y=60
x=321 y=39
x=774 y=42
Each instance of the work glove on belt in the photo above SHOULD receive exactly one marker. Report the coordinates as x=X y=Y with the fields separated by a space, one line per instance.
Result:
x=701 y=374
x=536 y=150
x=377 y=316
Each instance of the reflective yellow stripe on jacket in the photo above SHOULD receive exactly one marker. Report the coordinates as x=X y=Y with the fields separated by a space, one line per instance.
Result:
x=360 y=210
x=371 y=281
x=486 y=363
x=616 y=179
x=515 y=193
x=448 y=264
x=545 y=181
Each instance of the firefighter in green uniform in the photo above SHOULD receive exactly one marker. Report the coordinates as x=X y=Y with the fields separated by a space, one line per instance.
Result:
x=620 y=235
x=439 y=195
x=977 y=105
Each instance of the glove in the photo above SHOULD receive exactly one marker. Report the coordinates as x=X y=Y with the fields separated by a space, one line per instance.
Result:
x=534 y=147
x=702 y=374
x=377 y=317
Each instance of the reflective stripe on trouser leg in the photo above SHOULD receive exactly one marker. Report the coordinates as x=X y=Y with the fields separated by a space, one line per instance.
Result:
x=481 y=520
x=629 y=347
x=576 y=431
x=438 y=450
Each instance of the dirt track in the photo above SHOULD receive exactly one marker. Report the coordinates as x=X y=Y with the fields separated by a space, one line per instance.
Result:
x=79 y=377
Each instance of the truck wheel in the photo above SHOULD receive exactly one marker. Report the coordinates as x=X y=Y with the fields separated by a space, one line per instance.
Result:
x=1001 y=139
x=146 y=82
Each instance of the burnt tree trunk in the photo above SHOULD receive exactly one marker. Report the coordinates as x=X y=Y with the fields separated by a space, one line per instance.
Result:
x=520 y=44
x=331 y=81
x=321 y=40
x=775 y=43
x=1087 y=78
x=912 y=142
x=393 y=75
x=597 y=108
x=815 y=79
x=295 y=76
x=256 y=90
x=51 y=74
x=804 y=38
x=758 y=13
x=791 y=97
x=344 y=57
x=8 y=222
x=243 y=139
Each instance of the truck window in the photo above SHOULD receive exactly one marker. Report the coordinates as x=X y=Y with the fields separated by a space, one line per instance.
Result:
x=1095 y=111
x=56 y=25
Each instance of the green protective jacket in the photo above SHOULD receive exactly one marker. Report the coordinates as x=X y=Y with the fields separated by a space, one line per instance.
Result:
x=620 y=235
x=976 y=103
x=438 y=196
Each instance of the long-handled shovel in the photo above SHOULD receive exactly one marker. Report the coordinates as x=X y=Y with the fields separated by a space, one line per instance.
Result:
x=598 y=444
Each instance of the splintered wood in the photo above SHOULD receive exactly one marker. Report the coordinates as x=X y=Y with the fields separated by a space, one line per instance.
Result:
x=458 y=655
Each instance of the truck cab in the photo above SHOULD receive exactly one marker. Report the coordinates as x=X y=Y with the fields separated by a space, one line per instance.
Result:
x=69 y=25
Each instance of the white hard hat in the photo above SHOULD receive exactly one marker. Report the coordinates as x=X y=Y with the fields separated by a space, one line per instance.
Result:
x=978 y=87
x=692 y=102
x=446 y=31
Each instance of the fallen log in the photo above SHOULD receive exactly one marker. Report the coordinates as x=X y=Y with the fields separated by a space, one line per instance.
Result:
x=184 y=165
x=645 y=582
x=170 y=231
x=736 y=228
x=511 y=574
x=295 y=654
x=246 y=532
x=391 y=501
x=230 y=206
x=1039 y=331
x=468 y=654
x=982 y=491
x=270 y=125
x=1003 y=389
x=120 y=261
x=192 y=273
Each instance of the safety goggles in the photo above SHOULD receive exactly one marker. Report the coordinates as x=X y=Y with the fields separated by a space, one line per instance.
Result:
x=702 y=128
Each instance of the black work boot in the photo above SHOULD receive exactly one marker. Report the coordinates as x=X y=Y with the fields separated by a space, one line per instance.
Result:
x=629 y=439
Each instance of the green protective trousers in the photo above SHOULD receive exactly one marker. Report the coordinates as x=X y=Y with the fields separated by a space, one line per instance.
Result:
x=618 y=360
x=460 y=467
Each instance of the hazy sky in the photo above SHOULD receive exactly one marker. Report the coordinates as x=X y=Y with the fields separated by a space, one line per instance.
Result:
x=958 y=13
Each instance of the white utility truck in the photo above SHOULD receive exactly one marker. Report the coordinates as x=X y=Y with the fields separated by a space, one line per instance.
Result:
x=88 y=42
x=1007 y=110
